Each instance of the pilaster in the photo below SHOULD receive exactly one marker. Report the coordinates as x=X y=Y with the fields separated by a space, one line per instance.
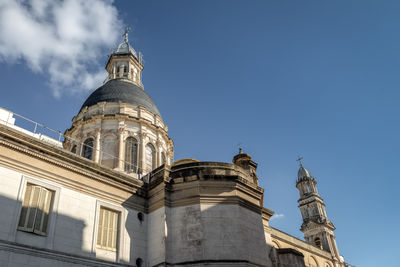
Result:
x=121 y=150
x=142 y=152
x=97 y=146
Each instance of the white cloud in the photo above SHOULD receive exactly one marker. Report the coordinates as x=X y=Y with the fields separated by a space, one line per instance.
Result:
x=277 y=216
x=62 y=39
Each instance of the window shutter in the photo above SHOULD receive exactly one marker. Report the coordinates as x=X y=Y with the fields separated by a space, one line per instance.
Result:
x=43 y=210
x=25 y=206
x=114 y=230
x=105 y=225
x=107 y=229
x=29 y=207
x=100 y=228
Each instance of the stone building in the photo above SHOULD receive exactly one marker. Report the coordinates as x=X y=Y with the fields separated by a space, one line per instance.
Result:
x=109 y=194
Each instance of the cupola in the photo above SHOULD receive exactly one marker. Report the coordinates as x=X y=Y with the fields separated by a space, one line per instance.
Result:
x=125 y=63
x=119 y=126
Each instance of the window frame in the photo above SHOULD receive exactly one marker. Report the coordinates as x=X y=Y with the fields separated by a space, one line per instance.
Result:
x=132 y=165
x=116 y=215
x=153 y=157
x=120 y=246
x=47 y=204
x=85 y=146
x=52 y=214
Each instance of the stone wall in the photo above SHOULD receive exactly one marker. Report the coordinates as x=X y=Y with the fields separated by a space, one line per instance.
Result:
x=78 y=194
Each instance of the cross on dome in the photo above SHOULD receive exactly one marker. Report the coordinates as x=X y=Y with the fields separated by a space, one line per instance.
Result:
x=299 y=159
x=127 y=29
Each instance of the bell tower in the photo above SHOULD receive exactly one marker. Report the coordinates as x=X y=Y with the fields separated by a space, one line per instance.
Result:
x=317 y=228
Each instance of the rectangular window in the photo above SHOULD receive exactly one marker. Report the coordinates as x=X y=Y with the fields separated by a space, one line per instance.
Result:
x=107 y=233
x=35 y=209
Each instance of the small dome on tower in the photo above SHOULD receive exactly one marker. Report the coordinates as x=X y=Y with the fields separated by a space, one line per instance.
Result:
x=125 y=47
x=303 y=173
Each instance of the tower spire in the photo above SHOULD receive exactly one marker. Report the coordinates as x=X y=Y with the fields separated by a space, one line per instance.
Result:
x=317 y=228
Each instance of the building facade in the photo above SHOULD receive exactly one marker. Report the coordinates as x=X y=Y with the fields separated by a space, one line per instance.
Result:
x=109 y=194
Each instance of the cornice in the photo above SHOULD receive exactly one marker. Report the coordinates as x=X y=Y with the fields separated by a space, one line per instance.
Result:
x=55 y=255
x=285 y=238
x=38 y=149
x=118 y=117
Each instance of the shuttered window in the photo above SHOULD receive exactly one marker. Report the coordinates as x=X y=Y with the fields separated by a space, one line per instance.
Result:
x=35 y=209
x=150 y=157
x=131 y=155
x=107 y=233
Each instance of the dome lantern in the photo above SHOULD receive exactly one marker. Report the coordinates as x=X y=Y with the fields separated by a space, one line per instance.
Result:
x=125 y=63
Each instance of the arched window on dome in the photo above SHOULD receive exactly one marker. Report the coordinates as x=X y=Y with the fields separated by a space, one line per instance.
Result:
x=73 y=150
x=108 y=152
x=150 y=157
x=317 y=242
x=163 y=158
x=131 y=155
x=87 y=149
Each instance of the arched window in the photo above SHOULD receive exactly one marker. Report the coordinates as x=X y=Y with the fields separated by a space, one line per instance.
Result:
x=73 y=150
x=108 y=152
x=150 y=157
x=317 y=242
x=163 y=158
x=275 y=244
x=87 y=149
x=131 y=155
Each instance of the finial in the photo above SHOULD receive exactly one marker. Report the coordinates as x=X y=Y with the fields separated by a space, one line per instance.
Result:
x=239 y=144
x=127 y=29
x=299 y=160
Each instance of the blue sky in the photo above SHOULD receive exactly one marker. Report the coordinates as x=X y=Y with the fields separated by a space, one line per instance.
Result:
x=283 y=78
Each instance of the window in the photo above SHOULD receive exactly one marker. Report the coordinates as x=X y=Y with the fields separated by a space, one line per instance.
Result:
x=131 y=150
x=163 y=159
x=150 y=157
x=35 y=209
x=317 y=242
x=108 y=152
x=107 y=233
x=87 y=150
x=73 y=150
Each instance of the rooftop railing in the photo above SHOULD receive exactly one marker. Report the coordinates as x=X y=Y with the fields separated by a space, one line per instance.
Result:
x=56 y=139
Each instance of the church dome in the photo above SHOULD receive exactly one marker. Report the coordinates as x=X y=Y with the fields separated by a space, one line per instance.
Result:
x=117 y=90
x=303 y=173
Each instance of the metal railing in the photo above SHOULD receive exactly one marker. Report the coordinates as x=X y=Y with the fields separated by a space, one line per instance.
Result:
x=56 y=138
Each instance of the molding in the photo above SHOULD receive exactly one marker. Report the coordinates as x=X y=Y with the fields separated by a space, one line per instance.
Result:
x=222 y=262
x=301 y=244
x=63 y=158
x=55 y=255
x=31 y=147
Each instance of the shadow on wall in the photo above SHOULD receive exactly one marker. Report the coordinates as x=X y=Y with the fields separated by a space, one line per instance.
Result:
x=21 y=245
x=136 y=228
